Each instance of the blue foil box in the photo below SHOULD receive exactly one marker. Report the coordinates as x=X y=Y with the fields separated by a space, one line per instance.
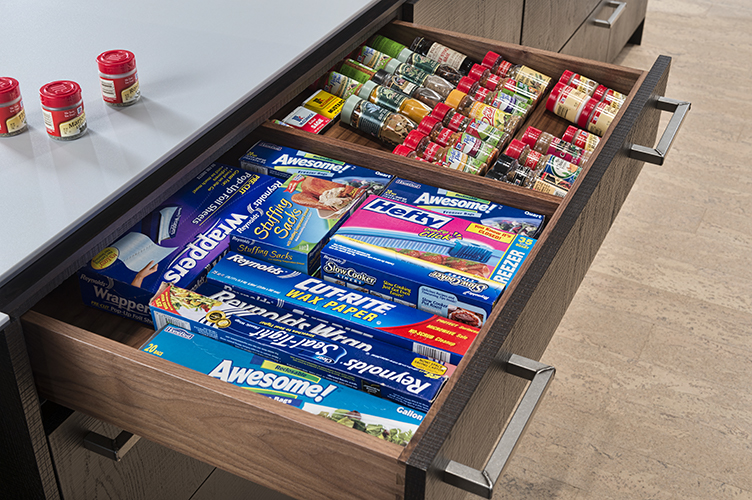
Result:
x=402 y=326
x=411 y=380
x=176 y=243
x=454 y=204
x=279 y=161
x=376 y=416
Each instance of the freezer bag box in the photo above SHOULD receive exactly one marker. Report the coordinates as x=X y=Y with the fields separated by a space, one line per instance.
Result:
x=294 y=221
x=414 y=383
x=402 y=326
x=271 y=159
x=175 y=243
x=513 y=220
x=375 y=416
x=431 y=287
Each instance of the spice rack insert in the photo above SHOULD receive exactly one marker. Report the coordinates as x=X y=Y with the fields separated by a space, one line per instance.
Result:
x=88 y=360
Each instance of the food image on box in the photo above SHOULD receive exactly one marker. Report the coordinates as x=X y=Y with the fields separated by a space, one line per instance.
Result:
x=409 y=379
x=390 y=322
x=176 y=243
x=294 y=221
x=307 y=120
x=375 y=416
x=271 y=159
x=509 y=219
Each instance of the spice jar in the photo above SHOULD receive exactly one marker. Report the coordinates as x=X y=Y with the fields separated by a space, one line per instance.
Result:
x=460 y=123
x=386 y=45
x=394 y=101
x=371 y=57
x=339 y=85
x=580 y=138
x=372 y=119
x=442 y=155
x=430 y=66
x=510 y=104
x=442 y=54
x=405 y=151
x=546 y=144
x=423 y=94
x=519 y=90
x=555 y=170
x=493 y=62
x=462 y=141
x=508 y=170
x=567 y=102
x=450 y=118
x=484 y=77
x=609 y=96
x=118 y=77
x=357 y=71
x=596 y=117
x=592 y=88
x=467 y=106
x=420 y=77
x=474 y=90
x=12 y=114
x=530 y=77
x=63 y=110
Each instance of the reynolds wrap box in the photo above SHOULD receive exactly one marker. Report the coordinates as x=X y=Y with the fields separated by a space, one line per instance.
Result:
x=440 y=264
x=411 y=329
x=375 y=416
x=405 y=378
x=176 y=243
x=512 y=220
x=294 y=221
x=270 y=159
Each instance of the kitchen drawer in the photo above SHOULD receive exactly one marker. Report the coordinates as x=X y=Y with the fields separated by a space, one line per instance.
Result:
x=88 y=360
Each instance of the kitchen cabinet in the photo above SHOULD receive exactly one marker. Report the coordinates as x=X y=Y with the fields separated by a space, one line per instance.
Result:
x=89 y=361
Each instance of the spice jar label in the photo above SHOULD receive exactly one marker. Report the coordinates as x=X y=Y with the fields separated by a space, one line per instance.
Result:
x=533 y=78
x=569 y=102
x=445 y=55
x=561 y=169
x=372 y=58
x=389 y=98
x=411 y=73
x=492 y=116
x=444 y=135
x=485 y=133
x=470 y=145
x=341 y=86
x=74 y=126
x=431 y=152
x=131 y=92
x=15 y=122
x=371 y=118
x=404 y=86
x=422 y=62
x=602 y=117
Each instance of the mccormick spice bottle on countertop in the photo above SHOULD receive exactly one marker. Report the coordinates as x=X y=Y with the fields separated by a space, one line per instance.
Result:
x=63 y=110
x=12 y=114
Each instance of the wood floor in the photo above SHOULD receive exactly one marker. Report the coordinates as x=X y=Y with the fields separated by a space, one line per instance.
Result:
x=652 y=397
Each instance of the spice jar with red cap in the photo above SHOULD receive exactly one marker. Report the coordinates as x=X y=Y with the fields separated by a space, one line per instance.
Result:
x=473 y=89
x=442 y=155
x=12 y=114
x=552 y=169
x=580 y=138
x=460 y=123
x=63 y=110
x=462 y=141
x=405 y=151
x=547 y=144
x=477 y=110
x=118 y=77
x=483 y=75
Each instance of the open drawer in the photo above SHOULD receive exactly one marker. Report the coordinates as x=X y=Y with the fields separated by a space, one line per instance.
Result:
x=88 y=360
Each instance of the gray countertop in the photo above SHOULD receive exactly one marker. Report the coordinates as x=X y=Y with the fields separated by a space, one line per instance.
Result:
x=196 y=62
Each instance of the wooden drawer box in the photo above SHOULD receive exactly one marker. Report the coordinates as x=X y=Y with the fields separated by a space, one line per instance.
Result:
x=87 y=360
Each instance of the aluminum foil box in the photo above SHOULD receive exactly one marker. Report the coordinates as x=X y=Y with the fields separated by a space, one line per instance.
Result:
x=176 y=243
x=390 y=322
x=405 y=378
x=376 y=416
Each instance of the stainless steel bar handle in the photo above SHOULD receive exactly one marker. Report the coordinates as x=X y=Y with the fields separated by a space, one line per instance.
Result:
x=114 y=449
x=608 y=23
x=658 y=154
x=481 y=482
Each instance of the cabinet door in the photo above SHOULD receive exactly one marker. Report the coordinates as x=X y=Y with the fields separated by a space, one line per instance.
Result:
x=548 y=25
x=500 y=21
x=147 y=471
x=591 y=41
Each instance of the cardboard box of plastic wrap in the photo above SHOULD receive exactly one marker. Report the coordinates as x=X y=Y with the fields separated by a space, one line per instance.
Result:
x=510 y=219
x=376 y=416
x=444 y=265
x=176 y=243
x=402 y=326
x=295 y=221
x=403 y=377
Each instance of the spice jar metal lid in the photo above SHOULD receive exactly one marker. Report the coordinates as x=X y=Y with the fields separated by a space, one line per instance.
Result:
x=584 y=115
x=427 y=124
x=9 y=89
x=392 y=66
x=490 y=59
x=569 y=133
x=403 y=150
x=531 y=136
x=365 y=91
x=349 y=106
x=413 y=139
x=60 y=94
x=440 y=111
x=116 y=62
x=454 y=98
x=566 y=77
x=515 y=149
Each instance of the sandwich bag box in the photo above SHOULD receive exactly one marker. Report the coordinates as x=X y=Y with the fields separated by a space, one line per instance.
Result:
x=176 y=243
x=375 y=416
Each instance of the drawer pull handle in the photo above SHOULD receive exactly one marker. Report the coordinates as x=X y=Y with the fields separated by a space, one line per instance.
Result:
x=608 y=23
x=658 y=154
x=482 y=482
x=114 y=449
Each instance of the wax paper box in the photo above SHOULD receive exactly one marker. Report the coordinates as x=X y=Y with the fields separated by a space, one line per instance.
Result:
x=513 y=220
x=375 y=416
x=410 y=379
x=411 y=329
x=176 y=243
x=294 y=221
x=279 y=161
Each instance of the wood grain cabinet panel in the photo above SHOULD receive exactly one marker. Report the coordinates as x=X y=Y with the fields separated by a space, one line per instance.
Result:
x=500 y=21
x=548 y=25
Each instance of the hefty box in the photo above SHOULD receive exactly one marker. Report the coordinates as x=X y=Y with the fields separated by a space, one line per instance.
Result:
x=512 y=220
x=375 y=416
x=405 y=378
x=270 y=159
x=176 y=243
x=294 y=221
x=418 y=331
